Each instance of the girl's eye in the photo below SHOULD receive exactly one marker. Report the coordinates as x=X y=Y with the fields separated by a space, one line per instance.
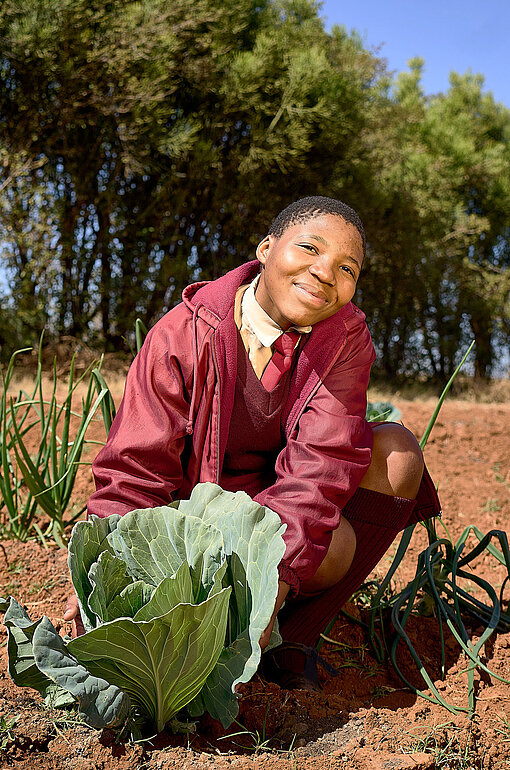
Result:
x=309 y=247
x=348 y=270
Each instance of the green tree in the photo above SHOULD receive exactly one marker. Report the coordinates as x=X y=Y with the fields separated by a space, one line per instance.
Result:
x=170 y=134
x=147 y=144
x=26 y=233
x=438 y=268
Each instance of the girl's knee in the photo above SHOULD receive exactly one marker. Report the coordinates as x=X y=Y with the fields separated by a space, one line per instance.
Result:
x=397 y=462
x=337 y=561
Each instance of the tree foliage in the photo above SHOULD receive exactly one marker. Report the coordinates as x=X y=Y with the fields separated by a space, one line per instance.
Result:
x=440 y=254
x=147 y=144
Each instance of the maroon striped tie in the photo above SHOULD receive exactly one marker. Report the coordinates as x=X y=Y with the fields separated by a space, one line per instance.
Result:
x=281 y=359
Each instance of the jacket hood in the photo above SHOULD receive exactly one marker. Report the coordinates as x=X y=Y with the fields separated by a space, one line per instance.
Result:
x=217 y=296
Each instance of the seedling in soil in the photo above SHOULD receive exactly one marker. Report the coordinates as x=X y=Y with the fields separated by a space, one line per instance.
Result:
x=12 y=586
x=492 y=506
x=259 y=741
x=373 y=670
x=46 y=586
x=6 y=731
x=383 y=690
x=65 y=720
x=504 y=730
x=448 y=750
x=499 y=478
x=341 y=645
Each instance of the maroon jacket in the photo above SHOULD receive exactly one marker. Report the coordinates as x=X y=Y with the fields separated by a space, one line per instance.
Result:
x=172 y=426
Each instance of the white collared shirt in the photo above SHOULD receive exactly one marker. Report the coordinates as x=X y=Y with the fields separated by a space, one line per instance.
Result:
x=257 y=328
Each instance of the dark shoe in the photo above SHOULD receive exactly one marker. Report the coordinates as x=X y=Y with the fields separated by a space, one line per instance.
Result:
x=293 y=666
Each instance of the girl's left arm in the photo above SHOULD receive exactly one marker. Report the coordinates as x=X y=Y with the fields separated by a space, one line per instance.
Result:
x=323 y=462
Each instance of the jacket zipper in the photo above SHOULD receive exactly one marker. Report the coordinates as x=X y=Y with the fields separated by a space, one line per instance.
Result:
x=315 y=389
x=216 y=369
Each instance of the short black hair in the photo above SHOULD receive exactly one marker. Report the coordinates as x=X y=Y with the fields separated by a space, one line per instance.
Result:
x=315 y=206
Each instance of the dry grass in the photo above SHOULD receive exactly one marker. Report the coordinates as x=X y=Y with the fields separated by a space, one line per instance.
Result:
x=463 y=389
x=25 y=382
x=114 y=370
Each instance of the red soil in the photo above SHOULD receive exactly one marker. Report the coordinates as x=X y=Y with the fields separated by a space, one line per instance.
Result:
x=364 y=718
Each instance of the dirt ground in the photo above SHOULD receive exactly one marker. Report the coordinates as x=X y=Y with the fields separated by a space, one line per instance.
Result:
x=365 y=717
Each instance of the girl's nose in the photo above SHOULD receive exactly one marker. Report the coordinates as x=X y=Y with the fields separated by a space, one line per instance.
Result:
x=323 y=269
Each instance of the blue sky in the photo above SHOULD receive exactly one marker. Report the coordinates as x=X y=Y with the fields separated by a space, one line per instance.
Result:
x=450 y=35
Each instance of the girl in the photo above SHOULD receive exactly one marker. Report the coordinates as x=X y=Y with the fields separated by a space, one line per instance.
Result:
x=257 y=381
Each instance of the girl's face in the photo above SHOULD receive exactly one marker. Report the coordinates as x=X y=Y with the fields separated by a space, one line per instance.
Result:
x=310 y=272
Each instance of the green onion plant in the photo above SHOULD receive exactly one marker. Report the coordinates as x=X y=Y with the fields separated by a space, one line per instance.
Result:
x=440 y=588
x=41 y=480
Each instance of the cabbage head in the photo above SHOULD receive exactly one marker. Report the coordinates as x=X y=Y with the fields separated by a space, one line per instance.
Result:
x=173 y=599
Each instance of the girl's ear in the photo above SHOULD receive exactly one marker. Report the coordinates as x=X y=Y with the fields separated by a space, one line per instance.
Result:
x=263 y=249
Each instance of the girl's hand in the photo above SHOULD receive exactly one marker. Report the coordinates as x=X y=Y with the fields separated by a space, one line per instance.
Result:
x=72 y=613
x=283 y=590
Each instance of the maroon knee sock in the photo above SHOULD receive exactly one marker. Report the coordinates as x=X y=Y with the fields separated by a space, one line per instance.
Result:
x=303 y=620
x=376 y=519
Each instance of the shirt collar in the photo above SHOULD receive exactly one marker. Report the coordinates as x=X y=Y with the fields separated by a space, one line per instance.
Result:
x=261 y=323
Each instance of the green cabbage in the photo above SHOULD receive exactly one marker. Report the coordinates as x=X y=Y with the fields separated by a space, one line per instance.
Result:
x=174 y=601
x=382 y=411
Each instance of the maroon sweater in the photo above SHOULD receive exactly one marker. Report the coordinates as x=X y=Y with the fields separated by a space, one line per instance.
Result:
x=255 y=436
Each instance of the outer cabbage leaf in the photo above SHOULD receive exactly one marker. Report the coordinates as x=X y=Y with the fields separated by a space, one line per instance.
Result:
x=102 y=703
x=22 y=665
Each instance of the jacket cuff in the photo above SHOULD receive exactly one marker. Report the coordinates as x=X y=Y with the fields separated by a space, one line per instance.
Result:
x=288 y=576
